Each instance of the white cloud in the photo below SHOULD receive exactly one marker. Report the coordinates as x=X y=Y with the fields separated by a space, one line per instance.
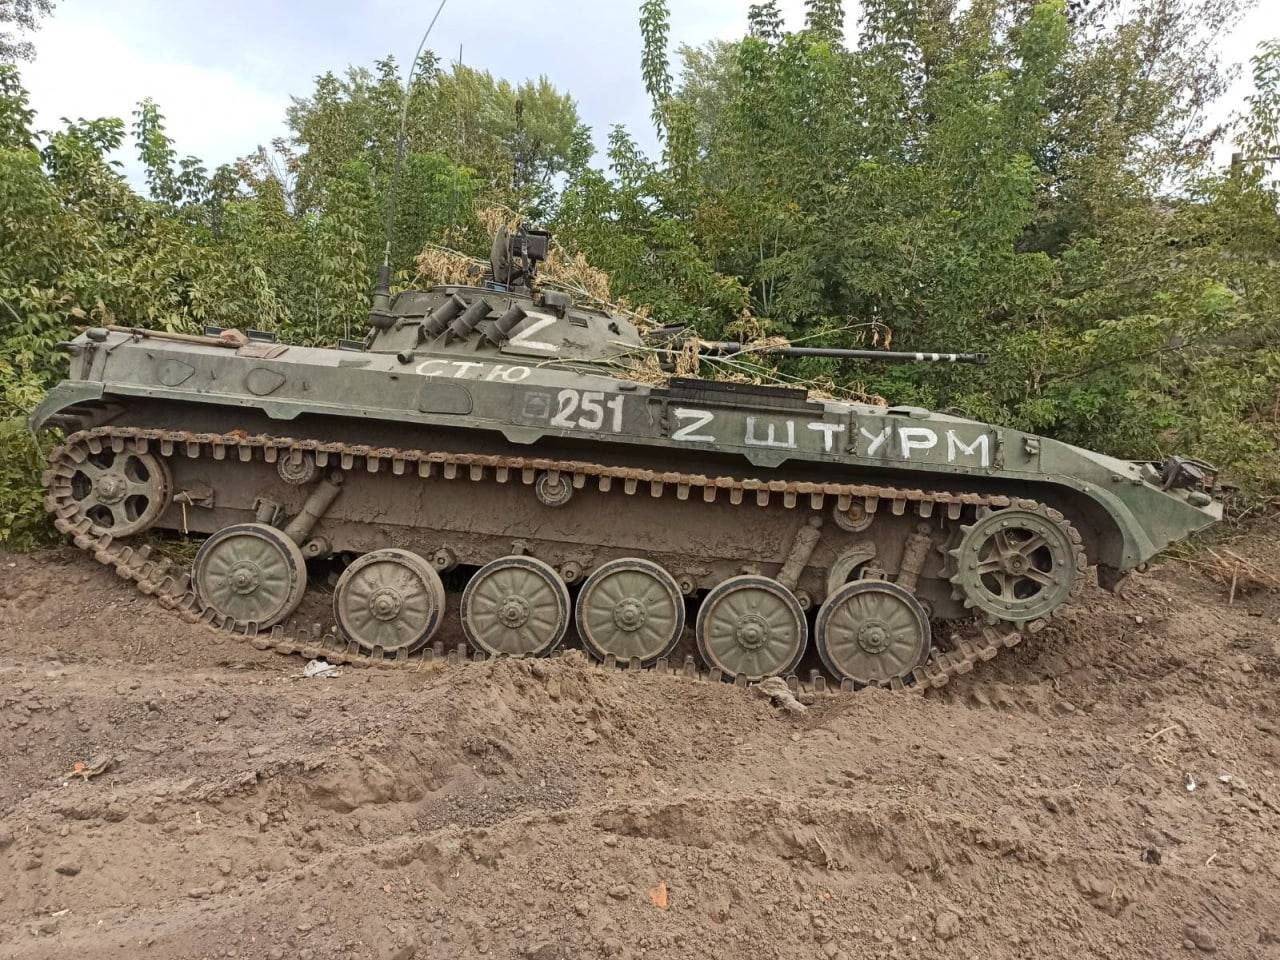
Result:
x=87 y=67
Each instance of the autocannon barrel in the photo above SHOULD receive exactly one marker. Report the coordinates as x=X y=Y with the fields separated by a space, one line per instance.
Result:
x=729 y=347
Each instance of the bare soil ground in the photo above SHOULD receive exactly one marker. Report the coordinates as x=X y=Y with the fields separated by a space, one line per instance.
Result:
x=1109 y=789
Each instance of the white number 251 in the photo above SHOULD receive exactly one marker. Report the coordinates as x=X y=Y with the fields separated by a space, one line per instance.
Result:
x=589 y=407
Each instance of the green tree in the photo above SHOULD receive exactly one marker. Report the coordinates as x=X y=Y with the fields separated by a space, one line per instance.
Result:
x=1019 y=178
x=515 y=140
x=22 y=16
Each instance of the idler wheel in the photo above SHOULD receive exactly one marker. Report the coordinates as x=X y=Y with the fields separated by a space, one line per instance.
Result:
x=1015 y=564
x=631 y=609
x=751 y=626
x=391 y=599
x=871 y=631
x=121 y=493
x=515 y=606
x=251 y=573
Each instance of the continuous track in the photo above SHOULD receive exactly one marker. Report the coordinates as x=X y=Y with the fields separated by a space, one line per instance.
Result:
x=173 y=590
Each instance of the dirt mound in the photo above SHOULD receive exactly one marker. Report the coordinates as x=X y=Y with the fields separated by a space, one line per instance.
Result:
x=1108 y=789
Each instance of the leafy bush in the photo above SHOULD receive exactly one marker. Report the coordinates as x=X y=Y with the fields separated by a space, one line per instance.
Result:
x=23 y=522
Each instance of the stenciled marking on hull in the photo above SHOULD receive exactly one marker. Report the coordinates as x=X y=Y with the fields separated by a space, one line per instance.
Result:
x=902 y=442
x=594 y=410
x=585 y=410
x=569 y=409
x=694 y=420
x=523 y=337
x=471 y=370
x=828 y=431
x=875 y=440
x=771 y=437
x=980 y=448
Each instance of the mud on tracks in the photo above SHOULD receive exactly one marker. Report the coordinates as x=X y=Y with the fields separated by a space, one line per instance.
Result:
x=1040 y=806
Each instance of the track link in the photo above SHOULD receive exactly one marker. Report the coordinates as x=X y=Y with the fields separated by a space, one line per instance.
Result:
x=172 y=588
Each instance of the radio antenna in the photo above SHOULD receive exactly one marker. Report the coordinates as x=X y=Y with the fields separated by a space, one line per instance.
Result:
x=382 y=292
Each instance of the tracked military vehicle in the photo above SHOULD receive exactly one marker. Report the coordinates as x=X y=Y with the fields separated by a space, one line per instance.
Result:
x=499 y=430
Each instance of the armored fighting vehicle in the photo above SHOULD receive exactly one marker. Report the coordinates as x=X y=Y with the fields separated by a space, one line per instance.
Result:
x=503 y=431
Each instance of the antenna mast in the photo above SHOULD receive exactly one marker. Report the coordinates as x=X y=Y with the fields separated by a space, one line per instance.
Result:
x=382 y=292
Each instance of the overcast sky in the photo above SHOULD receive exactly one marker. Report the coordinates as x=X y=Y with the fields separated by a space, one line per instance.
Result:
x=223 y=71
